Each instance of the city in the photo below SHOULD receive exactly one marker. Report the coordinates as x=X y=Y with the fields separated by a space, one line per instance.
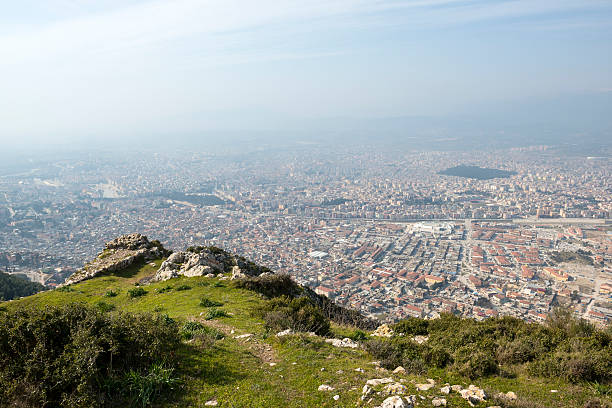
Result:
x=378 y=231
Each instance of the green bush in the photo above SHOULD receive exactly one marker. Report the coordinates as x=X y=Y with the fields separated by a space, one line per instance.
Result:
x=66 y=288
x=205 y=302
x=136 y=292
x=145 y=387
x=298 y=314
x=165 y=289
x=214 y=313
x=110 y=293
x=68 y=355
x=194 y=330
x=412 y=327
x=105 y=307
x=182 y=287
x=358 y=335
x=566 y=347
x=270 y=285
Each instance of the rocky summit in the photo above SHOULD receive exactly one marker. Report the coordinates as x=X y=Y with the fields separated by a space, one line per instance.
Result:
x=119 y=254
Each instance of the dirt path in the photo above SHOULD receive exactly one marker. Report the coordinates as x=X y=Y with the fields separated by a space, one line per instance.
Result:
x=259 y=348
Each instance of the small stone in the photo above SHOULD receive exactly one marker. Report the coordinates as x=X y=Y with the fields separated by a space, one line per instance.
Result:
x=395 y=388
x=399 y=370
x=284 y=333
x=438 y=402
x=272 y=364
x=424 y=387
x=336 y=397
x=211 y=403
x=325 y=387
x=378 y=381
x=322 y=368
x=511 y=395
x=456 y=388
x=393 y=402
x=553 y=391
x=360 y=370
x=244 y=336
x=445 y=390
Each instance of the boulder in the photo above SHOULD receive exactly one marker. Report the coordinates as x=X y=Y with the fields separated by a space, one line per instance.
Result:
x=438 y=402
x=394 y=402
x=378 y=381
x=395 y=388
x=383 y=331
x=346 y=342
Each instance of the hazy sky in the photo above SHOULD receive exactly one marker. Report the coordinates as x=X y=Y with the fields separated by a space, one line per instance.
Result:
x=76 y=68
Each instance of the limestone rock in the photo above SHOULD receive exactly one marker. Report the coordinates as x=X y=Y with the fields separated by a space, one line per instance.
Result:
x=426 y=387
x=473 y=394
x=284 y=333
x=395 y=388
x=420 y=339
x=394 y=402
x=438 y=402
x=325 y=387
x=346 y=342
x=383 y=331
x=119 y=254
x=378 y=381
x=445 y=390
x=399 y=370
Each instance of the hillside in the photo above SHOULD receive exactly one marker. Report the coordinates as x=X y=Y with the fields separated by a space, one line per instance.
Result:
x=12 y=287
x=204 y=327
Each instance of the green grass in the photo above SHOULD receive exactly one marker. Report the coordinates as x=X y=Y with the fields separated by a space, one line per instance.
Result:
x=237 y=372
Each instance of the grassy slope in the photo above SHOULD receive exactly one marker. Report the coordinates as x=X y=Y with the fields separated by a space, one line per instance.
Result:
x=238 y=372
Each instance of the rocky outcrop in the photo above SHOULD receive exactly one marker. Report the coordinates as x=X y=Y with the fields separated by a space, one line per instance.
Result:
x=346 y=342
x=383 y=331
x=120 y=254
x=200 y=261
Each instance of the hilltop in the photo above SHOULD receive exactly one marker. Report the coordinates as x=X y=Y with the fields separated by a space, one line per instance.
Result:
x=140 y=325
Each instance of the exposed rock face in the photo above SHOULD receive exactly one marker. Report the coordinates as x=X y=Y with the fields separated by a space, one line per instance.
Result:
x=119 y=254
x=383 y=331
x=201 y=261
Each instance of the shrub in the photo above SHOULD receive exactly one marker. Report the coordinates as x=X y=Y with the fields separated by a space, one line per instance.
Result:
x=204 y=334
x=183 y=287
x=144 y=388
x=298 y=314
x=412 y=327
x=358 y=335
x=270 y=285
x=110 y=293
x=214 y=313
x=218 y=285
x=136 y=292
x=105 y=307
x=165 y=289
x=69 y=355
x=205 y=302
x=66 y=288
x=475 y=363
